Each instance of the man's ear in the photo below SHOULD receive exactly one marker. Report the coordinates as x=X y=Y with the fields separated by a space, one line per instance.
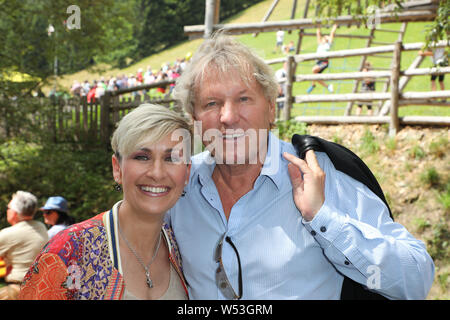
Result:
x=117 y=171
x=272 y=112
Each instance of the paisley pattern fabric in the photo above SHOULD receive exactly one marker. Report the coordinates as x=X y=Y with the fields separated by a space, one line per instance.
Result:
x=76 y=264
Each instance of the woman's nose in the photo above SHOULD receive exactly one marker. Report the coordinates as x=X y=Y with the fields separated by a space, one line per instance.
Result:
x=156 y=170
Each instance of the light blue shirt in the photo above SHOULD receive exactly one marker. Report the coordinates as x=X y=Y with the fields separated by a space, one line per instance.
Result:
x=285 y=257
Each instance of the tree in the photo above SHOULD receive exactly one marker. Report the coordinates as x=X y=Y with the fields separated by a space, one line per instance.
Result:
x=27 y=46
x=438 y=30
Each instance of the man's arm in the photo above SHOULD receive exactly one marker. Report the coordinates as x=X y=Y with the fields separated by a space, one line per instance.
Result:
x=358 y=236
x=318 y=35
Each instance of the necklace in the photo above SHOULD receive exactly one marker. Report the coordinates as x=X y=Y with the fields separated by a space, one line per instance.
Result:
x=146 y=268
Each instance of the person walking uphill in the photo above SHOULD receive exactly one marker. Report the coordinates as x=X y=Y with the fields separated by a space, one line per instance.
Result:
x=259 y=223
x=127 y=252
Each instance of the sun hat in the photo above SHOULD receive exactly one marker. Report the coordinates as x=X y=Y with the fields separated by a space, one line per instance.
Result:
x=56 y=203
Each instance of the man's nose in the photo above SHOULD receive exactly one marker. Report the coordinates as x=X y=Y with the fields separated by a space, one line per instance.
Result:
x=229 y=113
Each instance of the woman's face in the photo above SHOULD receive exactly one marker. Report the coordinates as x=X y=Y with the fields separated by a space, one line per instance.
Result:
x=50 y=217
x=152 y=177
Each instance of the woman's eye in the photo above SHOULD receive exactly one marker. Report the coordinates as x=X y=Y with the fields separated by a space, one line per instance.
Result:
x=141 y=157
x=244 y=99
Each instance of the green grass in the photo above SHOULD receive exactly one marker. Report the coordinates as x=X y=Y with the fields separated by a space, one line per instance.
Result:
x=264 y=45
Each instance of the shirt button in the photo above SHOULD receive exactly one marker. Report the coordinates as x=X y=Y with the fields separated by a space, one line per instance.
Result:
x=323 y=229
x=346 y=262
x=313 y=233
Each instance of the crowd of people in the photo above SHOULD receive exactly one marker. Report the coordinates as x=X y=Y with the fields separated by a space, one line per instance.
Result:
x=96 y=89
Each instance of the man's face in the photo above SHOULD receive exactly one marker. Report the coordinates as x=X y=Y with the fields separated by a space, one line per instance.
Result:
x=11 y=215
x=236 y=114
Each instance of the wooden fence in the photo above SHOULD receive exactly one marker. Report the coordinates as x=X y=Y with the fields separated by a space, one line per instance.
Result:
x=395 y=96
x=77 y=120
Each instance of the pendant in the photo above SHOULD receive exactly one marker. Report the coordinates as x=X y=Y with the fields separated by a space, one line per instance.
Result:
x=149 y=281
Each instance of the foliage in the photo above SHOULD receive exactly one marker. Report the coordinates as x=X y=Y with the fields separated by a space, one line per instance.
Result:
x=416 y=152
x=438 y=244
x=286 y=129
x=84 y=177
x=160 y=23
x=438 y=30
x=430 y=177
x=369 y=144
x=26 y=46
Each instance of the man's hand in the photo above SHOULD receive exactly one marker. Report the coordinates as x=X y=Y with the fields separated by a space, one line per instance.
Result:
x=308 y=190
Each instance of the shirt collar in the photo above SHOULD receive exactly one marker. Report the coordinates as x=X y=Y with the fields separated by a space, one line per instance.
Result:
x=271 y=167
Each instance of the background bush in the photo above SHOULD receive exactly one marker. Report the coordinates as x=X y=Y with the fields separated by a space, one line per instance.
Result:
x=83 y=177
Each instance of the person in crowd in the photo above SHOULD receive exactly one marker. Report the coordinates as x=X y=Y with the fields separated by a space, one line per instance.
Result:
x=56 y=214
x=324 y=43
x=279 y=41
x=20 y=243
x=76 y=89
x=127 y=252
x=367 y=86
x=289 y=48
x=439 y=58
x=280 y=75
x=259 y=223
x=91 y=94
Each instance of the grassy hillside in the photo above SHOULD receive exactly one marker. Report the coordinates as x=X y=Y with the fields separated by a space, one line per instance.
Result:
x=264 y=45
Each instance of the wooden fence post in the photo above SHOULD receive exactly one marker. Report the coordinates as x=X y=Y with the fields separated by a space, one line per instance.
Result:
x=209 y=18
x=104 y=118
x=288 y=89
x=394 y=124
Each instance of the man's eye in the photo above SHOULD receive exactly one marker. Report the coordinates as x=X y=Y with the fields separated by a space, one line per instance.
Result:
x=244 y=99
x=211 y=104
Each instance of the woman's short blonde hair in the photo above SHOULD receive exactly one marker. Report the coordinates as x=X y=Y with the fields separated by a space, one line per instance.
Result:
x=221 y=55
x=148 y=123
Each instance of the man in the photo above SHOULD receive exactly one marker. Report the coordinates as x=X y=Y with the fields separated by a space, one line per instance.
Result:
x=22 y=242
x=257 y=222
x=324 y=43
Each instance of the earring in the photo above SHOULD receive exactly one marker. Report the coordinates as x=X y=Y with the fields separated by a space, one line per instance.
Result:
x=183 y=193
x=117 y=187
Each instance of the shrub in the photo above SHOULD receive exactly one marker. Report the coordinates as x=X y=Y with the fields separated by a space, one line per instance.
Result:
x=286 y=129
x=430 y=177
x=416 y=152
x=84 y=177
x=368 y=143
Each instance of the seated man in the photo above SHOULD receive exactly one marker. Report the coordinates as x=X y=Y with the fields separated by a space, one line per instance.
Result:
x=22 y=242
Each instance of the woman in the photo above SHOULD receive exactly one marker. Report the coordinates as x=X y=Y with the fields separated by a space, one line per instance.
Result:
x=56 y=214
x=127 y=252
